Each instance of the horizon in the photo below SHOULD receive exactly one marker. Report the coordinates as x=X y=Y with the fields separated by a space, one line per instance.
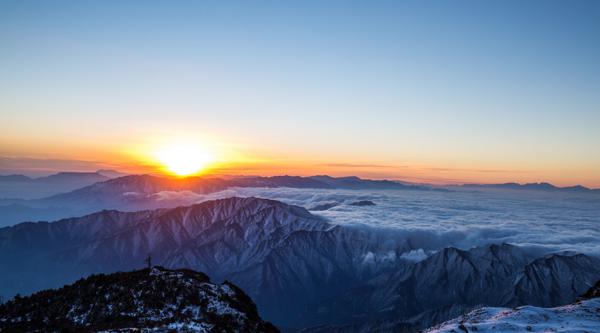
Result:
x=450 y=93
x=159 y=174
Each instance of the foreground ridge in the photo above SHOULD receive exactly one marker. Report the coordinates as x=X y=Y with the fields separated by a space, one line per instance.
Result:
x=155 y=299
x=580 y=316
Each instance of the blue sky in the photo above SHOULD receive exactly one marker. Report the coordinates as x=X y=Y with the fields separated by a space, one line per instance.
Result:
x=510 y=86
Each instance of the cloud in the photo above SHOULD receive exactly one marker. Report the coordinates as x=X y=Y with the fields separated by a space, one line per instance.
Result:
x=430 y=220
x=414 y=255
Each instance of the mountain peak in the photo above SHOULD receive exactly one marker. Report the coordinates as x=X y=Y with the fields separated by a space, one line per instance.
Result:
x=156 y=298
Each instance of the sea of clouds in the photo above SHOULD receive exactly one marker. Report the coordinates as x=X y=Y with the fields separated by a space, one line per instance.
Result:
x=549 y=222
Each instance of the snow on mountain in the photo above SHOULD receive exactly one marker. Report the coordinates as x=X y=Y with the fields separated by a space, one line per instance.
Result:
x=583 y=316
x=580 y=316
x=154 y=299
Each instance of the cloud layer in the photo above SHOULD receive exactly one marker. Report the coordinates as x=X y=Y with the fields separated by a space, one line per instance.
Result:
x=431 y=220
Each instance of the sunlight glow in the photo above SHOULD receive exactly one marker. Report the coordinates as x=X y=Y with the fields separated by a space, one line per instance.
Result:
x=184 y=158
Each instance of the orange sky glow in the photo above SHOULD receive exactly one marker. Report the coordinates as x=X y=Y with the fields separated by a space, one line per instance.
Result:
x=227 y=159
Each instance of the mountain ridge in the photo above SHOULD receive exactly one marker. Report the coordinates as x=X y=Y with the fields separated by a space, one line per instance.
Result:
x=153 y=298
x=329 y=273
x=139 y=192
x=539 y=186
x=581 y=316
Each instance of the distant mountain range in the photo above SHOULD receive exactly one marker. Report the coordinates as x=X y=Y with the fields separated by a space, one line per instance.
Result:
x=534 y=187
x=138 y=192
x=155 y=299
x=300 y=270
x=23 y=187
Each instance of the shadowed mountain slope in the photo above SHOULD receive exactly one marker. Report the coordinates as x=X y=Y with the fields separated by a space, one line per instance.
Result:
x=338 y=275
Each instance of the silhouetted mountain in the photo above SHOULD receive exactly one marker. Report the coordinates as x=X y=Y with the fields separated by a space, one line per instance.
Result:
x=328 y=274
x=111 y=173
x=129 y=190
x=363 y=184
x=72 y=177
x=155 y=299
x=147 y=184
x=129 y=193
x=535 y=187
x=22 y=187
x=138 y=192
x=14 y=178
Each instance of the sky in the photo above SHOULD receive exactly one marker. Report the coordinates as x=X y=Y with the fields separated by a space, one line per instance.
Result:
x=427 y=91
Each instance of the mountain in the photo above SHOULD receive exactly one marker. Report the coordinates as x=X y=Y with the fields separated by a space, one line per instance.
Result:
x=139 y=192
x=148 y=184
x=565 y=275
x=581 y=316
x=23 y=187
x=111 y=173
x=14 y=178
x=534 y=187
x=355 y=183
x=14 y=211
x=336 y=275
x=128 y=193
x=131 y=192
x=264 y=245
x=453 y=281
x=150 y=299
x=593 y=292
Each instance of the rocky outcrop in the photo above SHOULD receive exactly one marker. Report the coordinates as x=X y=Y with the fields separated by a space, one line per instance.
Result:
x=155 y=299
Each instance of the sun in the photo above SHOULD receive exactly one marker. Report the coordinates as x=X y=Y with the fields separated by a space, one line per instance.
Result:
x=184 y=158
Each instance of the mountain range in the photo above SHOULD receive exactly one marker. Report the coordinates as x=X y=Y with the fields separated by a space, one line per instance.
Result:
x=301 y=271
x=23 y=187
x=138 y=192
x=547 y=187
x=90 y=192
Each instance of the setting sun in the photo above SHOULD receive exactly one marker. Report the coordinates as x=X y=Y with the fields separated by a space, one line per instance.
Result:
x=184 y=159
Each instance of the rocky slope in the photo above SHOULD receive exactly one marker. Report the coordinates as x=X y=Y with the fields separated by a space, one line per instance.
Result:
x=154 y=299
x=453 y=281
x=581 y=316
